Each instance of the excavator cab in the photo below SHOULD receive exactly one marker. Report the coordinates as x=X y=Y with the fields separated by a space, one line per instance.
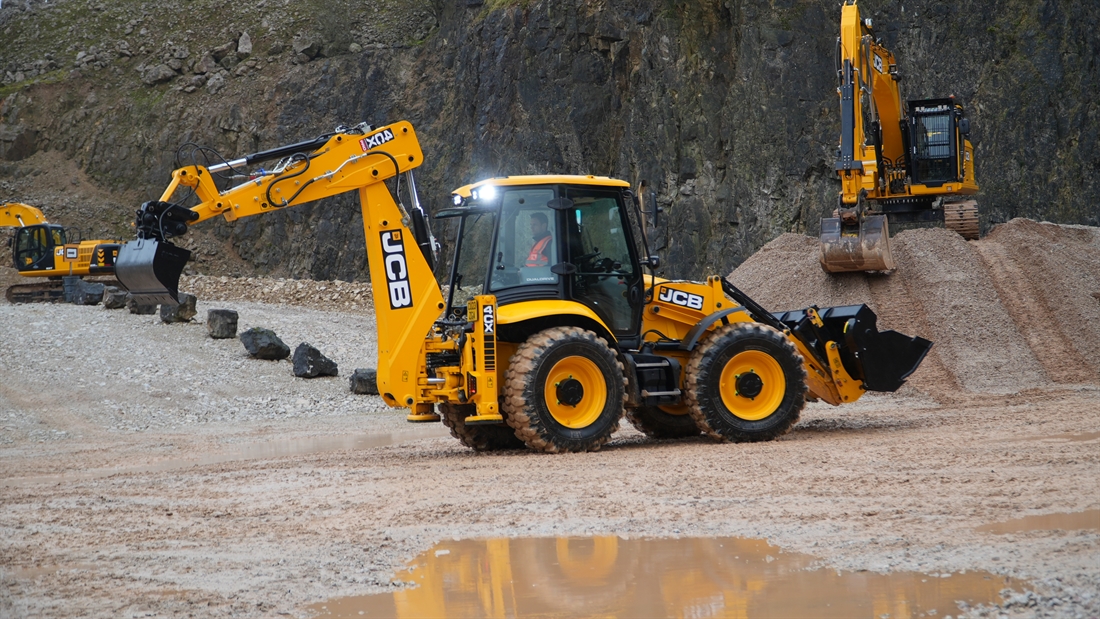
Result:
x=33 y=247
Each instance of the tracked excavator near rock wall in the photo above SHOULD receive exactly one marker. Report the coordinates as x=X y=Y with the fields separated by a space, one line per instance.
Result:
x=900 y=161
x=42 y=249
x=545 y=347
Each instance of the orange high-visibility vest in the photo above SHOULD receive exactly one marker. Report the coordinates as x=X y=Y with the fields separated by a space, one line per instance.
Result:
x=538 y=257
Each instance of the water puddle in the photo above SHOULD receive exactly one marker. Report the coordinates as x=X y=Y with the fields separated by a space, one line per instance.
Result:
x=250 y=451
x=683 y=578
x=1047 y=522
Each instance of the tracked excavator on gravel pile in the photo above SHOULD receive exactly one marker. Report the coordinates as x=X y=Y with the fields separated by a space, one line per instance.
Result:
x=900 y=161
x=517 y=349
x=42 y=249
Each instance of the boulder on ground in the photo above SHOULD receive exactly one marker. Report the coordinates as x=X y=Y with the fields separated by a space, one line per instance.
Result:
x=221 y=323
x=364 y=381
x=114 y=297
x=264 y=344
x=137 y=308
x=183 y=311
x=88 y=293
x=310 y=363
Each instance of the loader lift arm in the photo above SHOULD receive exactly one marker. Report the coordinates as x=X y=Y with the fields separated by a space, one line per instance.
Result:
x=407 y=298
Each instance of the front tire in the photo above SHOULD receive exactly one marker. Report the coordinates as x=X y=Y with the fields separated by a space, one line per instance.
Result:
x=479 y=437
x=564 y=391
x=746 y=383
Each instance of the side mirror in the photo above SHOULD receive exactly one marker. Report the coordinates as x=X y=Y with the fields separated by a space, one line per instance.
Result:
x=653 y=261
x=964 y=126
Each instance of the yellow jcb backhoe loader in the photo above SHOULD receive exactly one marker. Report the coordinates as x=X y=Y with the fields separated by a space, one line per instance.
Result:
x=42 y=249
x=898 y=161
x=543 y=347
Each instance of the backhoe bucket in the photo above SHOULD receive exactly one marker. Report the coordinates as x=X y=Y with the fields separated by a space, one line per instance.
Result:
x=150 y=270
x=881 y=359
x=865 y=247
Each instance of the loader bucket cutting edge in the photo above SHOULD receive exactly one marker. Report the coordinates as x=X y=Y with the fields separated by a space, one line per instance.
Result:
x=151 y=270
x=851 y=248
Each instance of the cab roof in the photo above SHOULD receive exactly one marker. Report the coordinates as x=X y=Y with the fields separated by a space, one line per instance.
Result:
x=542 y=179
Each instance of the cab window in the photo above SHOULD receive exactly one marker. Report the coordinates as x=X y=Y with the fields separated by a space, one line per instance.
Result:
x=527 y=240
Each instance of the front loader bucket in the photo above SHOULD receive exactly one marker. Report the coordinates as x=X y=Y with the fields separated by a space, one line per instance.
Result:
x=881 y=359
x=865 y=247
x=150 y=270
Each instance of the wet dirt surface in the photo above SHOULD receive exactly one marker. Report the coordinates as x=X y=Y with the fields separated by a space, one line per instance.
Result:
x=686 y=577
x=134 y=481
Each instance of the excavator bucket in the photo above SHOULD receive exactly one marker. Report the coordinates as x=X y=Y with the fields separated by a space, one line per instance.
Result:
x=851 y=247
x=150 y=270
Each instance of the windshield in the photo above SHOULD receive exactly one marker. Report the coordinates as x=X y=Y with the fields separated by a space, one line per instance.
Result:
x=526 y=246
x=475 y=245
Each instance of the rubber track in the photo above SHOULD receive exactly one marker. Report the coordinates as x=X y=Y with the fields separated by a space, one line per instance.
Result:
x=701 y=356
x=524 y=364
x=962 y=217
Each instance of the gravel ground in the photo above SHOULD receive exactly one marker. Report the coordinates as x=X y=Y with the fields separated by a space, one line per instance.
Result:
x=148 y=470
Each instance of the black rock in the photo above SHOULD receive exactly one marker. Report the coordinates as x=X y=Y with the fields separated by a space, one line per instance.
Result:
x=264 y=344
x=88 y=293
x=184 y=311
x=364 y=381
x=114 y=298
x=221 y=323
x=139 y=309
x=310 y=363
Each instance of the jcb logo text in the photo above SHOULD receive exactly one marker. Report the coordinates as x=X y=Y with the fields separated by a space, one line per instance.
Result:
x=679 y=297
x=397 y=270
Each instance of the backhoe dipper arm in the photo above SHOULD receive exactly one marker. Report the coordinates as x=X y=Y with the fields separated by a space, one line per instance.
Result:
x=406 y=296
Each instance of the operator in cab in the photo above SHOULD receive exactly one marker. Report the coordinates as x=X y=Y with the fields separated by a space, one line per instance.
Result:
x=539 y=256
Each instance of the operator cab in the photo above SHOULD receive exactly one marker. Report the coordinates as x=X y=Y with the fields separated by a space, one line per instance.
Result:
x=935 y=138
x=34 y=246
x=548 y=238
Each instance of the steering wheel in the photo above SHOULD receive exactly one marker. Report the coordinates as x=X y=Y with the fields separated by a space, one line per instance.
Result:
x=585 y=257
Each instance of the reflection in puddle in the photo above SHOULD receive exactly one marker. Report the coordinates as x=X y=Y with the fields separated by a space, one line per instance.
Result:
x=249 y=451
x=613 y=577
x=1067 y=522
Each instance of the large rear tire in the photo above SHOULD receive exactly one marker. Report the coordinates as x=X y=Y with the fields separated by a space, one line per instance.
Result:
x=564 y=391
x=746 y=383
x=663 y=421
x=479 y=437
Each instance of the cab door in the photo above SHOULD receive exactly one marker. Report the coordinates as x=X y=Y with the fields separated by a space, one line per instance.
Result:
x=34 y=247
x=607 y=277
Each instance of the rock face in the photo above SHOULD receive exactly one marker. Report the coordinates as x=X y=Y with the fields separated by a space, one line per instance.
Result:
x=264 y=344
x=221 y=323
x=364 y=381
x=183 y=311
x=727 y=108
x=114 y=298
x=310 y=363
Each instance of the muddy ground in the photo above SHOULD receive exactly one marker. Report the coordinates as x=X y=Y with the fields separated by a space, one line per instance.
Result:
x=147 y=470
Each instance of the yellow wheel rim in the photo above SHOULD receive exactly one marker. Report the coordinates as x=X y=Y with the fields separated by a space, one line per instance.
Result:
x=769 y=380
x=580 y=409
